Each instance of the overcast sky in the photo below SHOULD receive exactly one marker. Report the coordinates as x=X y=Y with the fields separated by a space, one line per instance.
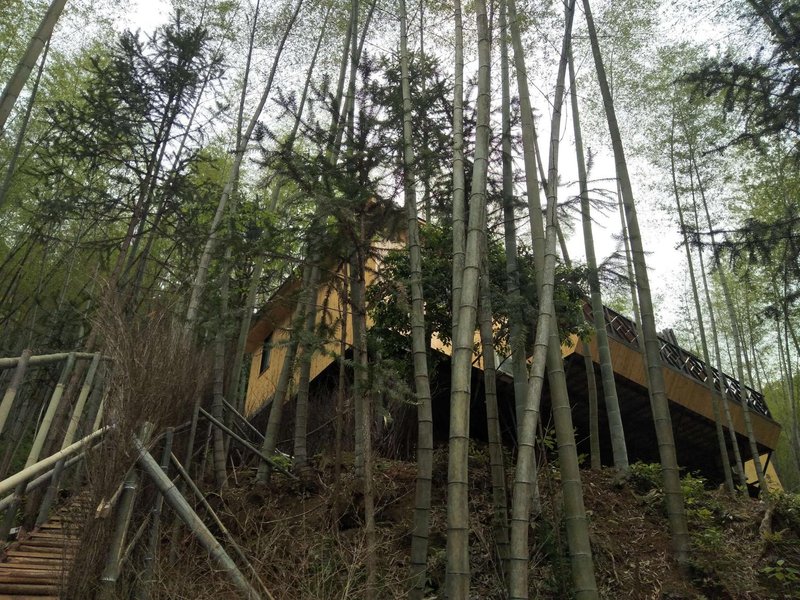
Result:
x=666 y=263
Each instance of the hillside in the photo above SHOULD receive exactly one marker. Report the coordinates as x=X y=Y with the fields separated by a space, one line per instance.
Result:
x=307 y=545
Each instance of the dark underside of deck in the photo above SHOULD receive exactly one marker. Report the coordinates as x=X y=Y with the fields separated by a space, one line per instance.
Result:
x=695 y=436
x=696 y=441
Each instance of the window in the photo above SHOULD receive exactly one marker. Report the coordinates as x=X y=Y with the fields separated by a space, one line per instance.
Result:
x=266 y=349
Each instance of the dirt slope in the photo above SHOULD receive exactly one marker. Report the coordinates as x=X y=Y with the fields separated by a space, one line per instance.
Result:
x=306 y=544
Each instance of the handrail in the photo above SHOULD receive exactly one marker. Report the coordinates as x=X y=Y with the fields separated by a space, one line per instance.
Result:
x=43 y=359
x=179 y=504
x=43 y=465
x=624 y=329
x=39 y=481
x=247 y=444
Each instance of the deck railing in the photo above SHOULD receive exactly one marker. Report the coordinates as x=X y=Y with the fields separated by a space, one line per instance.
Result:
x=623 y=329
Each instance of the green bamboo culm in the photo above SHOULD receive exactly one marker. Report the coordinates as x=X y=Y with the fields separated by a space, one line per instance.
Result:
x=419 y=350
x=673 y=493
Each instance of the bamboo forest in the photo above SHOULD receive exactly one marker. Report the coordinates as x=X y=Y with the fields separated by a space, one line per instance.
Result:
x=427 y=299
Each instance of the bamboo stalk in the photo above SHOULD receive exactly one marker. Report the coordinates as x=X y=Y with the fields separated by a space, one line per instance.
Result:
x=143 y=591
x=43 y=359
x=246 y=444
x=419 y=343
x=496 y=464
x=179 y=504
x=236 y=547
x=16 y=83
x=90 y=420
x=134 y=540
x=28 y=473
x=13 y=388
x=239 y=416
x=69 y=436
x=108 y=579
x=77 y=412
x=36 y=447
x=40 y=480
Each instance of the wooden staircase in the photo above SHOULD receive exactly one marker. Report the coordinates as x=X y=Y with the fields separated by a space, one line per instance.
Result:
x=36 y=566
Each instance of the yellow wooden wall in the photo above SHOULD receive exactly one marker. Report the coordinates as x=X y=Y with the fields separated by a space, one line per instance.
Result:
x=276 y=320
x=770 y=474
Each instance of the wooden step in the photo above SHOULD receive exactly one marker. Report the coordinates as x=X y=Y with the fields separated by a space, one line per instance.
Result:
x=30 y=590
x=36 y=566
x=28 y=576
x=41 y=553
x=7 y=566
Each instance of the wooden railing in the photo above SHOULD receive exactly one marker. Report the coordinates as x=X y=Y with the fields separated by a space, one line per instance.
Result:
x=139 y=498
x=623 y=329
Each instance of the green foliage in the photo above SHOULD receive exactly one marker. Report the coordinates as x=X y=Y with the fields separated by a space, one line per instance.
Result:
x=787 y=509
x=763 y=88
x=645 y=476
x=781 y=572
x=389 y=299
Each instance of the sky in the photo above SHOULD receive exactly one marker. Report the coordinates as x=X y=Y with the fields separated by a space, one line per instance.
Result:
x=666 y=260
x=147 y=14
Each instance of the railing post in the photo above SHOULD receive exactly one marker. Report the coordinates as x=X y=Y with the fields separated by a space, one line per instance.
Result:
x=36 y=447
x=13 y=388
x=143 y=593
x=69 y=436
x=108 y=579
x=93 y=407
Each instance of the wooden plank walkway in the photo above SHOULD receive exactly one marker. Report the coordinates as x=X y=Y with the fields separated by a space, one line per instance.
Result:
x=35 y=567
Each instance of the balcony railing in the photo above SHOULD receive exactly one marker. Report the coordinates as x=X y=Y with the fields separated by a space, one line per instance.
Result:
x=623 y=329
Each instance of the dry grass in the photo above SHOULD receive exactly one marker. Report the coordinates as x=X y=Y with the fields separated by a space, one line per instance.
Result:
x=157 y=376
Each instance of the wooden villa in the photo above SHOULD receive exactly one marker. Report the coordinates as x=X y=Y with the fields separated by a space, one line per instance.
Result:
x=684 y=373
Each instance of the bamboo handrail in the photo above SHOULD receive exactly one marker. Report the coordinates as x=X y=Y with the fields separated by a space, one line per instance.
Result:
x=247 y=444
x=39 y=481
x=43 y=359
x=43 y=465
x=179 y=504
x=237 y=548
x=241 y=418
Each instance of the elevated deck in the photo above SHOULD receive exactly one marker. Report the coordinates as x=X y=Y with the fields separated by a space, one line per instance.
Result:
x=690 y=399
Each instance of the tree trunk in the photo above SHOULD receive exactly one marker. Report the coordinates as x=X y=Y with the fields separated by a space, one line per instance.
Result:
x=459 y=183
x=198 y=285
x=496 y=466
x=584 y=585
x=220 y=338
x=528 y=147
x=723 y=279
x=458 y=579
x=363 y=422
x=235 y=391
x=234 y=388
x=615 y=425
x=13 y=388
x=738 y=466
x=594 y=427
x=517 y=331
x=23 y=129
x=308 y=292
x=673 y=494
x=306 y=353
x=716 y=399
x=419 y=340
x=344 y=308
x=26 y=64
